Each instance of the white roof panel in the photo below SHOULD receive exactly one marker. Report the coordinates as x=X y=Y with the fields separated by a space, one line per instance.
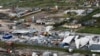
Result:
x=68 y=39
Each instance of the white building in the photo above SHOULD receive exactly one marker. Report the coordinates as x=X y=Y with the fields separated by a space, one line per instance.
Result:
x=82 y=41
x=79 y=11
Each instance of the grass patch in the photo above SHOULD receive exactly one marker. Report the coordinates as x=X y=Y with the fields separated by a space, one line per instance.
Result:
x=92 y=30
x=24 y=46
x=61 y=28
x=33 y=3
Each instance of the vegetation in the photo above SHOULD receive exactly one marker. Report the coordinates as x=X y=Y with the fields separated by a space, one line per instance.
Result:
x=89 y=16
x=93 y=30
x=61 y=28
x=96 y=28
x=5 y=1
x=8 y=3
x=35 y=3
x=24 y=46
x=59 y=24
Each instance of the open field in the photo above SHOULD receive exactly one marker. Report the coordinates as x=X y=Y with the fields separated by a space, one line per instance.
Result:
x=90 y=30
x=35 y=3
x=6 y=2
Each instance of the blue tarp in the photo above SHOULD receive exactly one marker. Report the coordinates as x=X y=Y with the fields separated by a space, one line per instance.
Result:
x=63 y=44
x=7 y=36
